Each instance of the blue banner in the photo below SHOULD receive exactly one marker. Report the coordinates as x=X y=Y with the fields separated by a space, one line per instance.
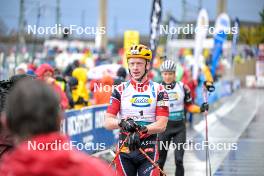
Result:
x=85 y=129
x=217 y=51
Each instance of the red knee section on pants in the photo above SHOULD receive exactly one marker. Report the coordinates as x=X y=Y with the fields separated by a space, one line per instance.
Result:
x=155 y=172
x=119 y=168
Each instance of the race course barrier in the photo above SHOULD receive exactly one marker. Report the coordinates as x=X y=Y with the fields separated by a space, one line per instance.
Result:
x=85 y=129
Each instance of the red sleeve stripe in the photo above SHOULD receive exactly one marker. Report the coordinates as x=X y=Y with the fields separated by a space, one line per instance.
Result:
x=162 y=111
x=113 y=98
x=120 y=88
x=114 y=107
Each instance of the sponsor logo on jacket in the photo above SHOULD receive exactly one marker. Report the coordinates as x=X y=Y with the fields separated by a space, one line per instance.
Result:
x=141 y=100
x=173 y=96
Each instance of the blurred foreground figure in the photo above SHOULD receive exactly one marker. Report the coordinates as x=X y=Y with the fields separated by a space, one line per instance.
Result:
x=6 y=138
x=34 y=120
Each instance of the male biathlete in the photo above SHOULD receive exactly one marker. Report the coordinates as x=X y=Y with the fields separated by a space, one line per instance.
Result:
x=143 y=113
x=179 y=100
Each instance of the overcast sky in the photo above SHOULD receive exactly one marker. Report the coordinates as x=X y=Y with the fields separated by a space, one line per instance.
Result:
x=122 y=14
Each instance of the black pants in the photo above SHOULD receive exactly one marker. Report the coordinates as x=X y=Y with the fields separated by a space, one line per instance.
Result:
x=134 y=163
x=175 y=132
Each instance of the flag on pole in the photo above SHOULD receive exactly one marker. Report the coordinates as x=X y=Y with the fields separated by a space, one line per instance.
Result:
x=154 y=25
x=200 y=35
x=222 y=26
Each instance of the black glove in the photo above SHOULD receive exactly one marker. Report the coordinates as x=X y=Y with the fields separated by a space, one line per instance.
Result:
x=143 y=129
x=128 y=125
x=134 y=141
x=204 y=107
x=209 y=86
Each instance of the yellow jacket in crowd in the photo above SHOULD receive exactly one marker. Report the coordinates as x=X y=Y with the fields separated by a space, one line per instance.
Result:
x=80 y=95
